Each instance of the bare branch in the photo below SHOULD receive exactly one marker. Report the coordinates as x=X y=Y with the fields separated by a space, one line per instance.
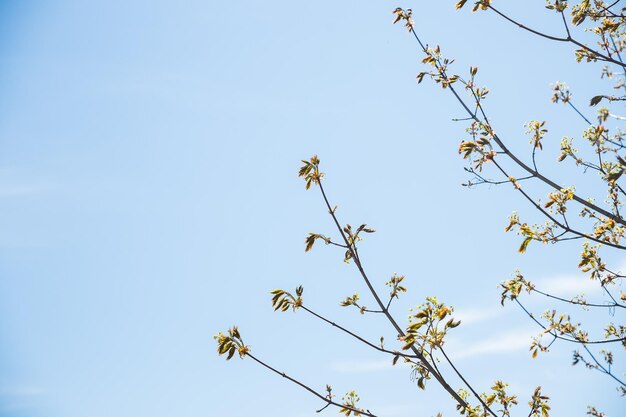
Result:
x=595 y=53
x=311 y=390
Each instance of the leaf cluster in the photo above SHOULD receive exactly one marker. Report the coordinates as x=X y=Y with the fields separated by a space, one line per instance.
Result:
x=283 y=300
x=310 y=171
x=230 y=343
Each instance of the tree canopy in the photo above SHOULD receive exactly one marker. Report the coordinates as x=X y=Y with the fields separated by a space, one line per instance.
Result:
x=588 y=221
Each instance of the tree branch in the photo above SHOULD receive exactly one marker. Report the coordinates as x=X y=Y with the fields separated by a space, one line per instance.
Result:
x=427 y=365
x=597 y=54
x=311 y=390
x=515 y=159
x=585 y=304
x=356 y=336
x=567 y=339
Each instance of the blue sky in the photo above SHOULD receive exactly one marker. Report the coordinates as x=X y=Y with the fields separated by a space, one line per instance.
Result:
x=149 y=198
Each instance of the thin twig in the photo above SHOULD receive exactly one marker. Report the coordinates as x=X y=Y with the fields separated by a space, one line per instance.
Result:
x=596 y=54
x=519 y=162
x=603 y=369
x=567 y=339
x=311 y=390
x=582 y=303
x=390 y=318
x=356 y=336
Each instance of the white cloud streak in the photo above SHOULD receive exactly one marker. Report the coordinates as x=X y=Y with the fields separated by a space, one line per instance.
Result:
x=20 y=391
x=17 y=190
x=365 y=366
x=516 y=340
x=568 y=285
x=512 y=341
x=476 y=315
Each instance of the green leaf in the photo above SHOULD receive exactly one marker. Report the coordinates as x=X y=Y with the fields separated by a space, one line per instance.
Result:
x=595 y=100
x=452 y=323
x=614 y=176
x=231 y=353
x=310 y=241
x=524 y=245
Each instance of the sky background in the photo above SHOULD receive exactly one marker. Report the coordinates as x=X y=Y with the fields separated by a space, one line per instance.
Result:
x=149 y=198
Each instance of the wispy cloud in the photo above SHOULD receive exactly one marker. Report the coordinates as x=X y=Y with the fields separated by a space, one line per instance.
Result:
x=473 y=315
x=15 y=183
x=514 y=340
x=18 y=190
x=397 y=409
x=568 y=285
x=364 y=366
x=500 y=343
x=18 y=397
x=20 y=391
x=388 y=410
x=621 y=267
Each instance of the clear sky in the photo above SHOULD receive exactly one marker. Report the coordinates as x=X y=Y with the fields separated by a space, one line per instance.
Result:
x=149 y=198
